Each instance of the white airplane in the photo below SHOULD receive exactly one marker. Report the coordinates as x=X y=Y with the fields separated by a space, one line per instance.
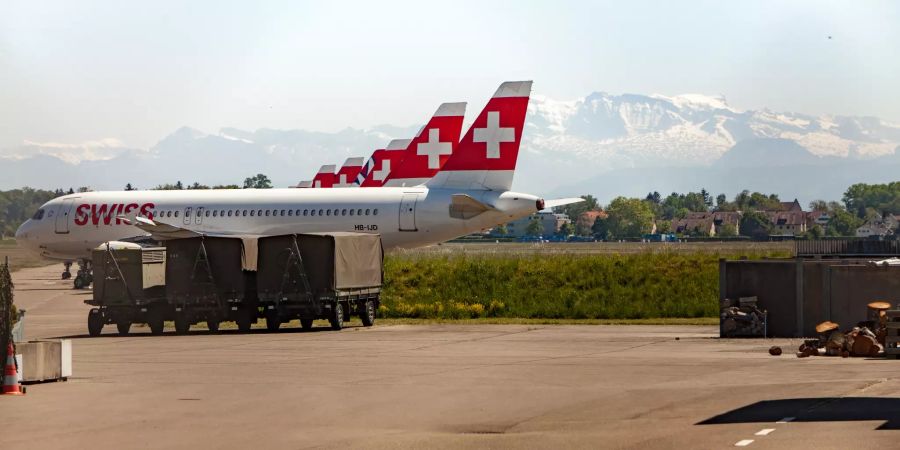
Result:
x=469 y=193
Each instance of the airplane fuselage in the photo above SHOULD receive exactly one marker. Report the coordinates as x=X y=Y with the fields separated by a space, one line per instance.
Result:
x=407 y=217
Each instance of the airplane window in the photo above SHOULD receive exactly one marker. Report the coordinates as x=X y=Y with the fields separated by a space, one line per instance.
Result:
x=252 y=212
x=244 y=213
x=367 y=211
x=343 y=212
x=351 y=212
x=259 y=212
x=38 y=215
x=267 y=213
x=207 y=213
x=176 y=213
x=335 y=212
x=282 y=213
x=168 y=213
x=290 y=212
x=359 y=212
x=375 y=212
x=229 y=213
x=327 y=212
x=321 y=212
x=298 y=212
x=187 y=213
x=312 y=213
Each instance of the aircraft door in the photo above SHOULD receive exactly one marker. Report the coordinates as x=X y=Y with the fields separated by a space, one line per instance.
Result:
x=62 y=215
x=408 y=212
x=199 y=219
x=187 y=216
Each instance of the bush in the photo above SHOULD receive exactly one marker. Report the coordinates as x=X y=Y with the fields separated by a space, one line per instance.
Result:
x=552 y=286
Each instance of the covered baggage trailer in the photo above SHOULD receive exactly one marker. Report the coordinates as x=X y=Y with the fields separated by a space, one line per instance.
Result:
x=206 y=281
x=129 y=287
x=319 y=276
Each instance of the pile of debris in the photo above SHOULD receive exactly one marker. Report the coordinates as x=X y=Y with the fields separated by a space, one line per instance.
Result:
x=742 y=318
x=859 y=341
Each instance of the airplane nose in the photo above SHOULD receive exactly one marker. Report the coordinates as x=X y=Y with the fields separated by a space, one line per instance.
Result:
x=22 y=231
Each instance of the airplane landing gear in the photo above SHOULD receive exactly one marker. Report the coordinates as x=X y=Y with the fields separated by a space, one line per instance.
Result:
x=85 y=275
x=68 y=272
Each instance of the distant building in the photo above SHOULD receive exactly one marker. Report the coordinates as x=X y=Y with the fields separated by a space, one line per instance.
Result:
x=820 y=218
x=878 y=228
x=707 y=223
x=787 y=223
x=793 y=206
x=550 y=221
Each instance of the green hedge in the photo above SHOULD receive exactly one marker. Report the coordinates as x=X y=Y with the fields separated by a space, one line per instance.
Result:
x=553 y=286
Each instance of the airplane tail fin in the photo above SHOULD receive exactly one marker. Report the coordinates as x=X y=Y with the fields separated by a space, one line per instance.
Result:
x=379 y=166
x=325 y=177
x=348 y=172
x=428 y=151
x=486 y=156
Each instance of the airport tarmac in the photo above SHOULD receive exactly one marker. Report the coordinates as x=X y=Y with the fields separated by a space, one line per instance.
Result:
x=440 y=386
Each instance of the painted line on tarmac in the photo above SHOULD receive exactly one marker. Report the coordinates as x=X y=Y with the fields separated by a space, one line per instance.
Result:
x=786 y=420
x=765 y=431
x=743 y=443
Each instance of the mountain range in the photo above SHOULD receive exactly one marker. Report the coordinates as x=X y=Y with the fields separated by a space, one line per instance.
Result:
x=603 y=144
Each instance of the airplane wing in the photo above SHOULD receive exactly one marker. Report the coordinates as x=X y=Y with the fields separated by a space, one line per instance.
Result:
x=162 y=231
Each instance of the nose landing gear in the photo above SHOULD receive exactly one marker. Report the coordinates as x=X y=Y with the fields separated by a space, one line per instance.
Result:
x=85 y=275
x=68 y=272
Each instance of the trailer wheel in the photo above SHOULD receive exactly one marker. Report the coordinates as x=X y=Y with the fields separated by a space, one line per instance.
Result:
x=273 y=320
x=123 y=325
x=337 y=316
x=213 y=325
x=182 y=325
x=243 y=320
x=367 y=313
x=95 y=322
x=156 y=320
x=307 y=324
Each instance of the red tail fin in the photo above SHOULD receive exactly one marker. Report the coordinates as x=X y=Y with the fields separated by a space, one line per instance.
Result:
x=325 y=178
x=380 y=164
x=486 y=156
x=348 y=172
x=430 y=149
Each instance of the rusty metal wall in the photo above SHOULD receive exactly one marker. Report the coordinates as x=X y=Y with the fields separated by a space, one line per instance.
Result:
x=798 y=294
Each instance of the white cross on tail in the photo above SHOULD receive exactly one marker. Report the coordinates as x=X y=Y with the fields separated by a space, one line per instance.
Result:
x=434 y=148
x=342 y=182
x=380 y=175
x=493 y=135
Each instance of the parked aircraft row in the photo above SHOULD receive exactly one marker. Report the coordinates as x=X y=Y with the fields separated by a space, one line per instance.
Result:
x=429 y=189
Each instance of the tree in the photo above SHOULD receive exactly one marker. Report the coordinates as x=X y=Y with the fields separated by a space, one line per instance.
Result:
x=501 y=230
x=629 y=217
x=663 y=226
x=755 y=224
x=843 y=223
x=84 y=189
x=727 y=230
x=129 y=187
x=567 y=229
x=197 y=185
x=226 y=186
x=654 y=197
x=816 y=232
x=818 y=205
x=535 y=227
x=600 y=229
x=258 y=181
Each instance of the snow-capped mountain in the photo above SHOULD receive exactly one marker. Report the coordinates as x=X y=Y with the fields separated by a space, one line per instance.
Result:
x=617 y=144
x=630 y=130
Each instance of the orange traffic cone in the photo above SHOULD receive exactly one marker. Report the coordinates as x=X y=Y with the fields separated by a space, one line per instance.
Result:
x=10 y=377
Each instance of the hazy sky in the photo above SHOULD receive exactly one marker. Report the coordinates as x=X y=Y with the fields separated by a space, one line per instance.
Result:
x=136 y=71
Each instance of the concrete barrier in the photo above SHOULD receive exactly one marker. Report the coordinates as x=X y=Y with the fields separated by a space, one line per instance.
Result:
x=45 y=360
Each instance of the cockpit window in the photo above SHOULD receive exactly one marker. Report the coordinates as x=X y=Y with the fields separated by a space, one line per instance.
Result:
x=38 y=215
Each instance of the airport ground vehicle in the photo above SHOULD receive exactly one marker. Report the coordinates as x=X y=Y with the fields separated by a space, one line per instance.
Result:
x=215 y=279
